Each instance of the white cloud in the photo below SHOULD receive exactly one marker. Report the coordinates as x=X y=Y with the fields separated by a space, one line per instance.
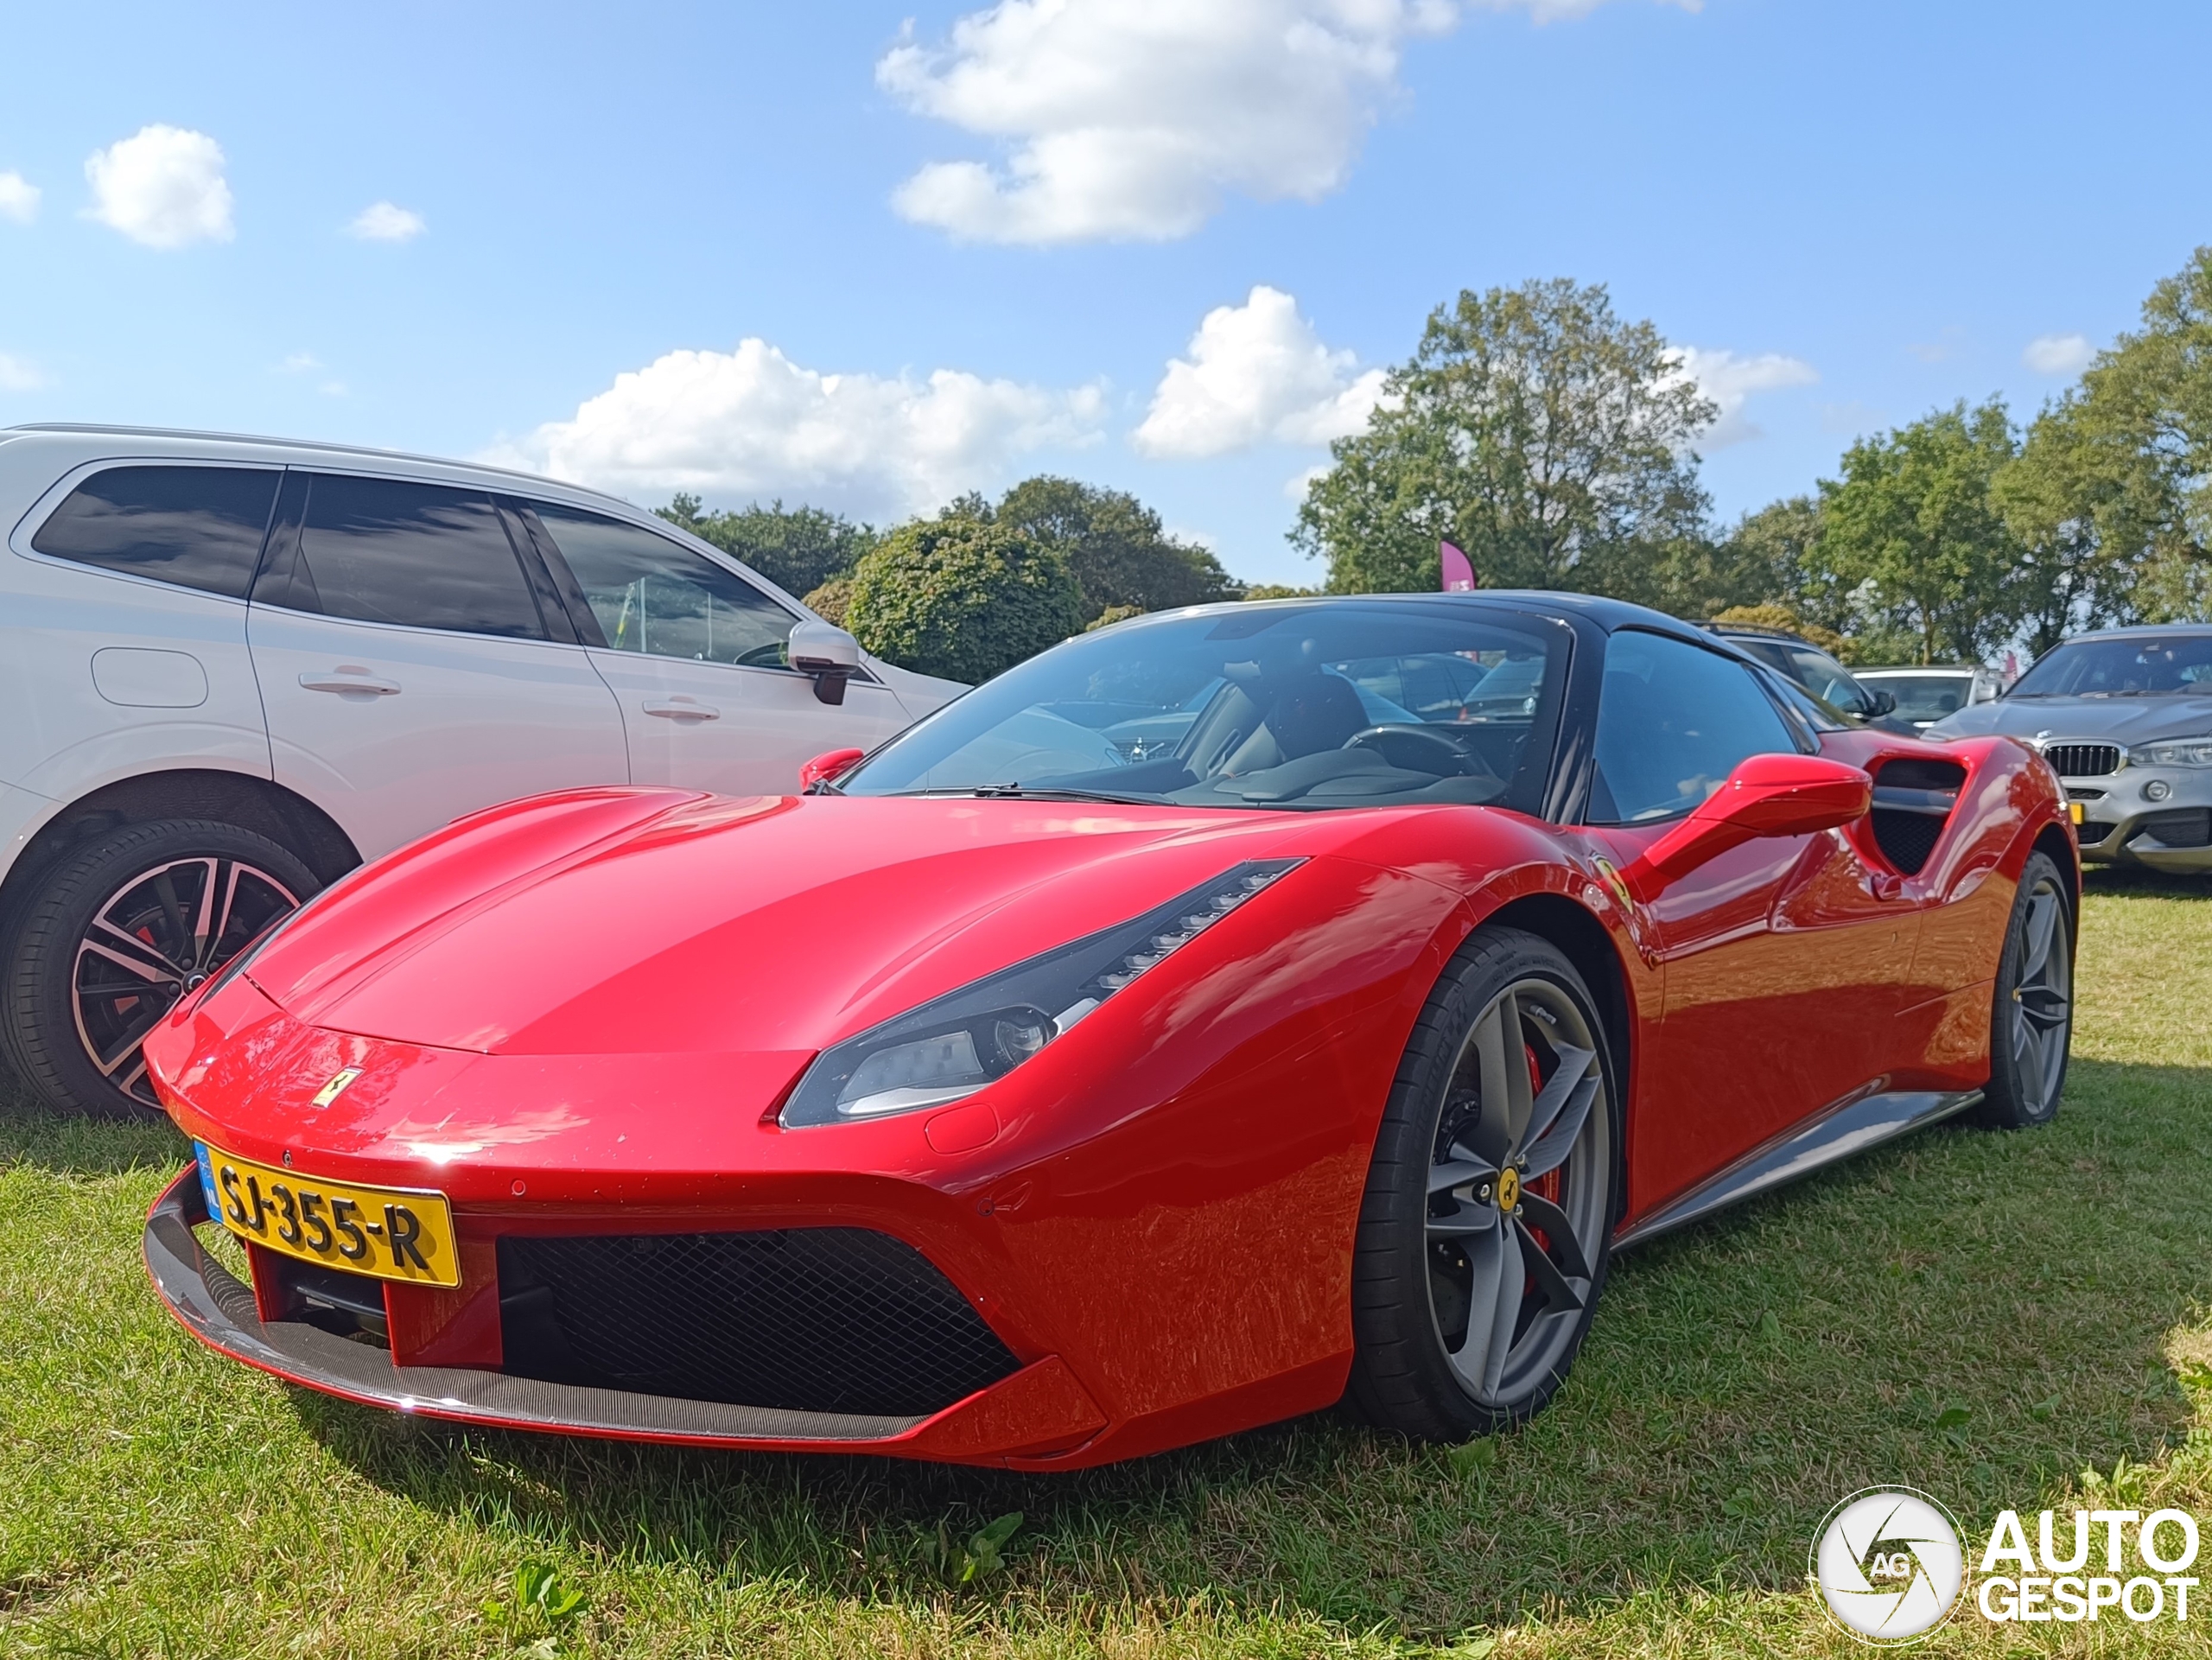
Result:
x=1132 y=120
x=163 y=187
x=1731 y=381
x=2058 y=354
x=752 y=423
x=1256 y=373
x=18 y=198
x=386 y=221
x=17 y=376
x=299 y=363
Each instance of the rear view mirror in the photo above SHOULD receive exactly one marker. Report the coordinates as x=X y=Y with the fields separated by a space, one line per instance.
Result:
x=1767 y=795
x=827 y=654
x=1881 y=703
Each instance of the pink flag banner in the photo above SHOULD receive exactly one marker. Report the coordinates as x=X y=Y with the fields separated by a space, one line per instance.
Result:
x=1459 y=570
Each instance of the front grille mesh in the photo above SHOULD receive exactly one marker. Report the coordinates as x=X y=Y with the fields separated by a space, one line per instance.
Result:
x=2082 y=759
x=811 y=1320
x=2180 y=827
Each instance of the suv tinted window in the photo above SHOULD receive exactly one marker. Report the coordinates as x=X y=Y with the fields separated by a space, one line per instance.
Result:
x=652 y=596
x=416 y=554
x=1673 y=721
x=196 y=526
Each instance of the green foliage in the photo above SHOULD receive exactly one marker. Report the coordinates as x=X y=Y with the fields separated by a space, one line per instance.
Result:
x=1782 y=616
x=1912 y=532
x=1110 y=615
x=832 y=600
x=980 y=1556
x=1119 y=553
x=798 y=548
x=962 y=596
x=1281 y=591
x=2113 y=490
x=1536 y=430
x=544 y=1599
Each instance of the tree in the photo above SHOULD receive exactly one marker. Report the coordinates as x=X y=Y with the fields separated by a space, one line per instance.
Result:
x=1121 y=554
x=962 y=596
x=798 y=548
x=1910 y=532
x=1532 y=428
x=2113 y=492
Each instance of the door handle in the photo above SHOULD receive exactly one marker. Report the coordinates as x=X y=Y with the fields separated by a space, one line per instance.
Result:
x=348 y=680
x=679 y=708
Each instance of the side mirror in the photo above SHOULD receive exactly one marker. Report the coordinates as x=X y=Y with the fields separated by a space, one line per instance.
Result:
x=1881 y=703
x=1767 y=795
x=828 y=654
x=831 y=764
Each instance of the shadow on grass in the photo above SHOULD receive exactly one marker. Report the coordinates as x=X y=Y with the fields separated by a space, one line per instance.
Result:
x=1977 y=1313
x=2131 y=882
x=64 y=1145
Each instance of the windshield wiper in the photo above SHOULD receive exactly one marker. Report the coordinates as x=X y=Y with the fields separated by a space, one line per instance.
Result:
x=1016 y=792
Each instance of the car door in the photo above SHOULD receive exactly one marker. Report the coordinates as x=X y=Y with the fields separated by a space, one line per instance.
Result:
x=415 y=662
x=696 y=657
x=1783 y=958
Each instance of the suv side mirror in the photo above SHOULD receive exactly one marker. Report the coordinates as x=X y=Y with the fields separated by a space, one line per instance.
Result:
x=1881 y=702
x=828 y=654
x=1767 y=795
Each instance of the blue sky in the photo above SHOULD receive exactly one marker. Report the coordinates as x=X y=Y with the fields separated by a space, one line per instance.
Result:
x=967 y=241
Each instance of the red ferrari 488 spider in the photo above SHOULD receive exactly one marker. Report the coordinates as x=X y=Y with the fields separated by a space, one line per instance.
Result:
x=1218 y=1016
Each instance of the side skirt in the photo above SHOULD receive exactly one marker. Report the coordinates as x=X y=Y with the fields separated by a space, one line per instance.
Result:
x=1854 y=1124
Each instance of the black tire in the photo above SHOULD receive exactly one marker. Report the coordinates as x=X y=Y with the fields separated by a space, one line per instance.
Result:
x=160 y=906
x=1431 y=1223
x=2032 y=1018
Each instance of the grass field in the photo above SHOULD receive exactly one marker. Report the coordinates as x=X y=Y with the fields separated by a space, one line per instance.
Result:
x=1985 y=1316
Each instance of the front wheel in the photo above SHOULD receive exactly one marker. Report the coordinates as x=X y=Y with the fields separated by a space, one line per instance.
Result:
x=122 y=929
x=2031 y=1025
x=1487 y=1224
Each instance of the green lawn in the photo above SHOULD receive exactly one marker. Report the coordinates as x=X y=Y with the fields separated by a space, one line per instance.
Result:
x=2051 y=1287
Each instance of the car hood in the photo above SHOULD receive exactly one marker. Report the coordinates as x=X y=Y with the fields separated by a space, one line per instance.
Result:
x=2121 y=720
x=640 y=922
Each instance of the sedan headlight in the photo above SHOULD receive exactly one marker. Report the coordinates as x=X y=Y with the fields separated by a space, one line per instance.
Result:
x=2174 y=752
x=954 y=1045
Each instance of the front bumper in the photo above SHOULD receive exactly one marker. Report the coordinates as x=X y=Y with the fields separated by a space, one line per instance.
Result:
x=2123 y=824
x=1036 y=1416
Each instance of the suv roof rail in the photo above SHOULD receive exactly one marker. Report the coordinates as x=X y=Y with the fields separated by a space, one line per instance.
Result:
x=1760 y=628
x=322 y=446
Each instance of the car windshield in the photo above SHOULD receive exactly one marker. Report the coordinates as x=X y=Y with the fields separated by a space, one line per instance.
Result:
x=1923 y=697
x=2132 y=666
x=1293 y=706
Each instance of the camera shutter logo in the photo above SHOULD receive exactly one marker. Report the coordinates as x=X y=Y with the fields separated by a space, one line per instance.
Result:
x=1889 y=1564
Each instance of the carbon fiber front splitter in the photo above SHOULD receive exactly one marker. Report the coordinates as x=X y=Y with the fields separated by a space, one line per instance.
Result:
x=1038 y=1413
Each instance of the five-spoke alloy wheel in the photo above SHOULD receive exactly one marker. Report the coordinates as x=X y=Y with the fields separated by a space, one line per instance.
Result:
x=1484 y=1235
x=2031 y=1025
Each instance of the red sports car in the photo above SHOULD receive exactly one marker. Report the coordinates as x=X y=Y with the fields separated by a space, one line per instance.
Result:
x=1221 y=1014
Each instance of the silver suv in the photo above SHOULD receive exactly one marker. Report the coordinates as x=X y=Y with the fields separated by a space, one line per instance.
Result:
x=234 y=668
x=2124 y=717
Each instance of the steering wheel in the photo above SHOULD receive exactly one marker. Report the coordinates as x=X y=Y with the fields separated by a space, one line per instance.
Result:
x=1418 y=749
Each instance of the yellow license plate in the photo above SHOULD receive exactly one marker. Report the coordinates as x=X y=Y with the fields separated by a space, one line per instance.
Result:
x=393 y=1233
x=2074 y=812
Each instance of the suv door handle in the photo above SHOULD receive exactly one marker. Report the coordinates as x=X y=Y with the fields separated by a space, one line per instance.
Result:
x=678 y=709
x=348 y=680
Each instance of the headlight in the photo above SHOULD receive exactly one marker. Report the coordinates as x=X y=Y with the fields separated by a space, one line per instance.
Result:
x=2174 y=752
x=955 y=1045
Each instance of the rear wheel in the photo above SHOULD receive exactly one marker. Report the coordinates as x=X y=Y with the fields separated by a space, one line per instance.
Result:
x=1487 y=1224
x=116 y=934
x=2031 y=1025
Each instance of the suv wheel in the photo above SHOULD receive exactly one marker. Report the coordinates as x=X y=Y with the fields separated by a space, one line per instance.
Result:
x=125 y=925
